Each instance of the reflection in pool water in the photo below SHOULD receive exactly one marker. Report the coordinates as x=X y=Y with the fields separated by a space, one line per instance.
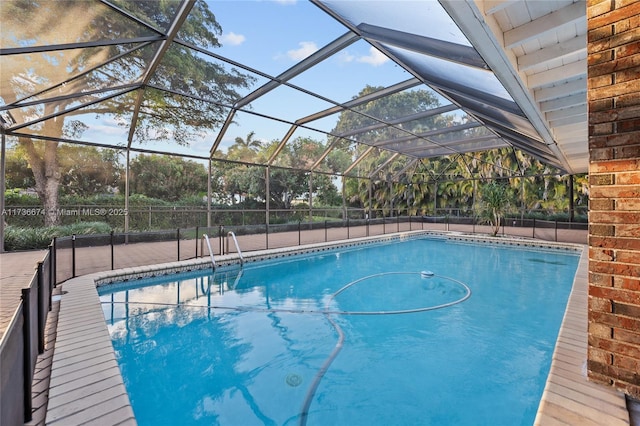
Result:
x=257 y=345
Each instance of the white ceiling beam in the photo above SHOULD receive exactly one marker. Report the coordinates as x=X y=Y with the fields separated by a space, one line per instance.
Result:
x=566 y=102
x=565 y=72
x=494 y=6
x=487 y=39
x=568 y=121
x=574 y=131
x=545 y=24
x=548 y=54
x=560 y=91
x=567 y=112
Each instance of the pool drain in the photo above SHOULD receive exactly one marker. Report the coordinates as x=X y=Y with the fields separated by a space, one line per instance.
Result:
x=293 y=379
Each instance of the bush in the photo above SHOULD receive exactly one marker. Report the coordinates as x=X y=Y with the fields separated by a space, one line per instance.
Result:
x=17 y=238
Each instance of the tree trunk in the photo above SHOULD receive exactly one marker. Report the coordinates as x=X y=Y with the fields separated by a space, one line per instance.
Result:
x=43 y=159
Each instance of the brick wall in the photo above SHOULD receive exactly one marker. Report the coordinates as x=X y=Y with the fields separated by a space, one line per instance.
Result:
x=614 y=175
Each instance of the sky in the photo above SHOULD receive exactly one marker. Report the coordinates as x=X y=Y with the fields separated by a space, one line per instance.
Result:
x=272 y=36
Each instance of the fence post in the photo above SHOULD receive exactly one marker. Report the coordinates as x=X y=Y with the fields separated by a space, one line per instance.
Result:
x=556 y=230
x=325 y=231
x=55 y=262
x=348 y=234
x=384 y=225
x=73 y=255
x=26 y=367
x=299 y=236
x=409 y=222
x=178 y=240
x=52 y=277
x=113 y=258
x=197 y=231
x=367 y=227
x=221 y=246
x=41 y=301
x=398 y=222
x=266 y=225
x=534 y=228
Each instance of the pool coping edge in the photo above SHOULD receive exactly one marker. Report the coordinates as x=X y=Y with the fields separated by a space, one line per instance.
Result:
x=90 y=390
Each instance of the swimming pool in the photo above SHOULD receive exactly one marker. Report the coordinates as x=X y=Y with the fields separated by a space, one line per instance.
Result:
x=280 y=343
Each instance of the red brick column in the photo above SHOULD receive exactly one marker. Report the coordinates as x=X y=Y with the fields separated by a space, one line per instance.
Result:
x=614 y=218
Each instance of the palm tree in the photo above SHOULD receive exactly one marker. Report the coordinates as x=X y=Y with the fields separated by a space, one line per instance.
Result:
x=495 y=198
x=249 y=142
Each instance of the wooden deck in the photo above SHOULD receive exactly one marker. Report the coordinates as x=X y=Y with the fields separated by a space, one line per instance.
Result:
x=569 y=398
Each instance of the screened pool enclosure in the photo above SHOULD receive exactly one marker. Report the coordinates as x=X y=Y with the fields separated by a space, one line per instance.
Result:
x=395 y=94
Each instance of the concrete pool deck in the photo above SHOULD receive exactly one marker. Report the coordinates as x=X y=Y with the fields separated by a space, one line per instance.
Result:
x=86 y=386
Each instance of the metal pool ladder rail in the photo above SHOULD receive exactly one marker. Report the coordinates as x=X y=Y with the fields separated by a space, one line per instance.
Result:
x=235 y=240
x=205 y=238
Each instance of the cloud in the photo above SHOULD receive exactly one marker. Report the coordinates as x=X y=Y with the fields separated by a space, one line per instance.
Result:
x=345 y=57
x=374 y=58
x=285 y=2
x=232 y=39
x=306 y=49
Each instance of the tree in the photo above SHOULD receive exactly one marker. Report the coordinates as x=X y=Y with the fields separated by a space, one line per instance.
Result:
x=88 y=170
x=167 y=178
x=495 y=199
x=248 y=143
x=388 y=107
x=18 y=174
x=84 y=170
x=162 y=116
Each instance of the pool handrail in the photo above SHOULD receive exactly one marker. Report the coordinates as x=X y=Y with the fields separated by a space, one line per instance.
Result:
x=235 y=240
x=205 y=238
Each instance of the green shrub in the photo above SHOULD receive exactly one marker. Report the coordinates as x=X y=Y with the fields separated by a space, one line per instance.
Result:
x=17 y=238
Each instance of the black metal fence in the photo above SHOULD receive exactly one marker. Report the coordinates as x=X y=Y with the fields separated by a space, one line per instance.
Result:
x=21 y=343
x=152 y=217
x=83 y=254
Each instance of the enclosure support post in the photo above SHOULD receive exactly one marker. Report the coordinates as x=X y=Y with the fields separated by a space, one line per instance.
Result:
x=435 y=198
x=266 y=195
x=571 y=198
x=2 y=185
x=126 y=198
x=370 y=197
x=344 y=201
x=208 y=200
x=311 y=197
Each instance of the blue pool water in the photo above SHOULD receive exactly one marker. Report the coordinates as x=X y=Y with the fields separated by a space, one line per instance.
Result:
x=346 y=337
